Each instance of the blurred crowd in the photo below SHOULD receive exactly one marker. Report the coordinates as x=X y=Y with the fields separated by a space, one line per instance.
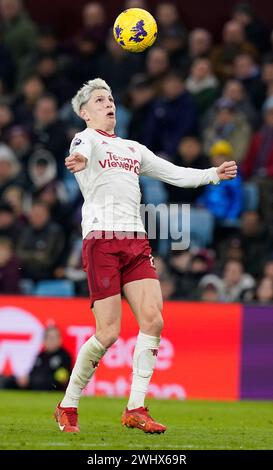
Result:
x=193 y=101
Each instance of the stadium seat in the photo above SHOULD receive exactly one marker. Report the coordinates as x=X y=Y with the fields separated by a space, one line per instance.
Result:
x=154 y=191
x=54 y=288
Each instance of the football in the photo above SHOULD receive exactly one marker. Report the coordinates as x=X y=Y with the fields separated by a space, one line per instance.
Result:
x=135 y=29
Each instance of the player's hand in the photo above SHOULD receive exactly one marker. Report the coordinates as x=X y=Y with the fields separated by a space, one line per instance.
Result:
x=227 y=171
x=75 y=162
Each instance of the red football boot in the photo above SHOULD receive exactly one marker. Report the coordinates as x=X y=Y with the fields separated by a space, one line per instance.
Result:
x=140 y=418
x=67 y=419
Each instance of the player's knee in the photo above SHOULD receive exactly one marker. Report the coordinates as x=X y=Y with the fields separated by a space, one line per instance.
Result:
x=152 y=321
x=107 y=337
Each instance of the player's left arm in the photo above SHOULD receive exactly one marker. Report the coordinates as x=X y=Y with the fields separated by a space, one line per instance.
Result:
x=160 y=169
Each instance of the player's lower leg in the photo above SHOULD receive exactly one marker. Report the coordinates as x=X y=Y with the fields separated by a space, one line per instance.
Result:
x=86 y=364
x=144 y=360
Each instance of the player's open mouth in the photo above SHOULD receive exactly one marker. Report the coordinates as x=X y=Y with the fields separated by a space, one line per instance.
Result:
x=110 y=114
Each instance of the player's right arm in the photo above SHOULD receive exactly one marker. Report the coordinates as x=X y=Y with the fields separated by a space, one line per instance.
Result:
x=79 y=153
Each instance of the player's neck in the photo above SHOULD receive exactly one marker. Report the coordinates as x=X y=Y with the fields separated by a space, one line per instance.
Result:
x=106 y=130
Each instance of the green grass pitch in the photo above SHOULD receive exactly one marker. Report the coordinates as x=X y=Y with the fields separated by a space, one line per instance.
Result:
x=27 y=423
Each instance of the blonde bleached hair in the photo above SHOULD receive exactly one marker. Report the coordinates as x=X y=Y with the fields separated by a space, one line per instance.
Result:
x=84 y=93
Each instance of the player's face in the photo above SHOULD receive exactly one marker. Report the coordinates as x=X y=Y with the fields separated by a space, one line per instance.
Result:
x=100 y=111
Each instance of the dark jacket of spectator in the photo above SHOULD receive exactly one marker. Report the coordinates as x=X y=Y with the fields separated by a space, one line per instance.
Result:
x=40 y=245
x=48 y=367
x=7 y=66
x=187 y=195
x=20 y=35
x=10 y=226
x=50 y=133
x=168 y=122
x=9 y=269
x=117 y=67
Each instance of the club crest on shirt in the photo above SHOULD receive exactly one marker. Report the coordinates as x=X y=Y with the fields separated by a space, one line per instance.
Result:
x=75 y=143
x=132 y=149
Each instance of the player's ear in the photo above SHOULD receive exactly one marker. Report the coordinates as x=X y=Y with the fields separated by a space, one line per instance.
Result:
x=84 y=114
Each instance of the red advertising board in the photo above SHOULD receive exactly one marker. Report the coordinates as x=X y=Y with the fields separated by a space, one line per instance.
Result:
x=199 y=355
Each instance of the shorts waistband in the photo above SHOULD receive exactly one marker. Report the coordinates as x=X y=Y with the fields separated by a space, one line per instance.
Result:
x=110 y=234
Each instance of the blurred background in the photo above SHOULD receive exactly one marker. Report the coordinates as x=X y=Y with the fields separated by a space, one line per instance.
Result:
x=201 y=95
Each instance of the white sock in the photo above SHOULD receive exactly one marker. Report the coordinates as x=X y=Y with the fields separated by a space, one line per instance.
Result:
x=144 y=360
x=87 y=362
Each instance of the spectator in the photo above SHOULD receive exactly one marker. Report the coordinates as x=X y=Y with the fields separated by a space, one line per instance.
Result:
x=233 y=285
x=164 y=129
x=209 y=293
x=258 y=161
x=202 y=84
x=256 y=242
x=268 y=268
x=7 y=65
x=55 y=81
x=18 y=139
x=94 y=22
x=6 y=119
x=113 y=61
x=32 y=89
x=269 y=52
x=267 y=75
x=189 y=155
x=168 y=287
x=141 y=94
x=9 y=169
x=255 y=30
x=73 y=122
x=9 y=268
x=234 y=91
x=46 y=45
x=264 y=291
x=20 y=33
x=200 y=42
x=248 y=72
x=84 y=63
x=72 y=268
x=50 y=131
x=179 y=261
x=157 y=65
x=160 y=265
x=51 y=369
x=199 y=46
x=234 y=43
x=2 y=87
x=225 y=200
x=199 y=264
x=172 y=35
x=41 y=170
x=10 y=227
x=229 y=125
x=41 y=244
x=135 y=4
x=19 y=201
x=54 y=195
x=229 y=247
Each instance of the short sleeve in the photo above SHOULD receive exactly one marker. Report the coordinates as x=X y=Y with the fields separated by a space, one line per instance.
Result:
x=81 y=144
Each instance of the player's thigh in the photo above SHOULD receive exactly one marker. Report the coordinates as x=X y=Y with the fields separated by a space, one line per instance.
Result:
x=101 y=263
x=107 y=313
x=145 y=299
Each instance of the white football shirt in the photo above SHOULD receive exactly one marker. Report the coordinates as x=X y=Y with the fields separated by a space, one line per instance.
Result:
x=110 y=181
